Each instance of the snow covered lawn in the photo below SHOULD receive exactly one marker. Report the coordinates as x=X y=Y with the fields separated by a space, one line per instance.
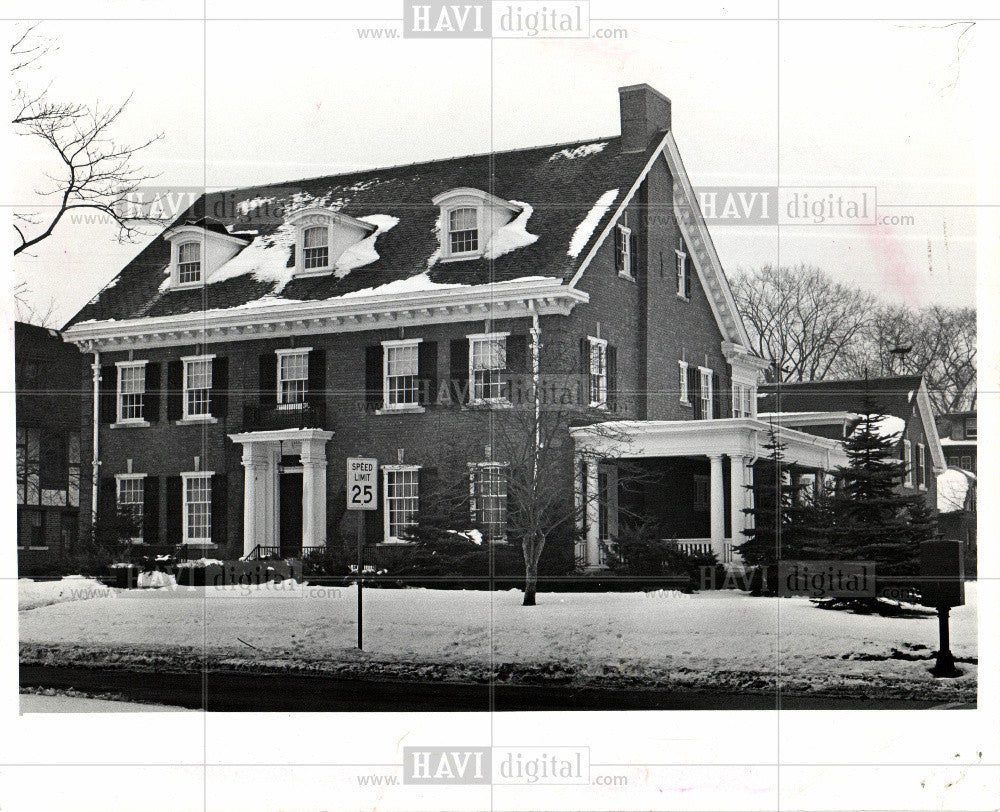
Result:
x=695 y=641
x=65 y=703
x=32 y=594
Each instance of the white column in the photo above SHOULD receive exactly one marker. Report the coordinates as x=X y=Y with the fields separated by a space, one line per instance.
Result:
x=254 y=515
x=593 y=514
x=737 y=498
x=717 y=502
x=313 y=456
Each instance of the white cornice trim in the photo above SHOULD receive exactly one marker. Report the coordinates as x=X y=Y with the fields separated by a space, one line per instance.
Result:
x=502 y=300
x=202 y=233
x=930 y=427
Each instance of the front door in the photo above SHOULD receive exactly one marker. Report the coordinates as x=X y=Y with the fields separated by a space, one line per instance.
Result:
x=290 y=514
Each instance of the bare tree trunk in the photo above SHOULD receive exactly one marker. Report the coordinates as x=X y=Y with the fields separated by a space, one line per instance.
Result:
x=532 y=549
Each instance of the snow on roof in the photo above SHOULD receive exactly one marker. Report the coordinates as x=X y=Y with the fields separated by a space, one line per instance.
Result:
x=512 y=236
x=583 y=232
x=887 y=427
x=949 y=441
x=579 y=152
x=363 y=253
x=953 y=488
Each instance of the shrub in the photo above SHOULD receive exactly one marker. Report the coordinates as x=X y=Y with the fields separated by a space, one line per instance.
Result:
x=642 y=551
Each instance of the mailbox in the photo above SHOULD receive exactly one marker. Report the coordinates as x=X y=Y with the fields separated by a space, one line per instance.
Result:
x=942 y=573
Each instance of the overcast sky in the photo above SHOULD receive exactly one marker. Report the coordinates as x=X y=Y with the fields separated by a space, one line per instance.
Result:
x=883 y=104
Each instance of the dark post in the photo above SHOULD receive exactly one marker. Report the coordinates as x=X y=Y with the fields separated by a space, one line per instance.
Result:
x=361 y=541
x=945 y=664
x=942 y=586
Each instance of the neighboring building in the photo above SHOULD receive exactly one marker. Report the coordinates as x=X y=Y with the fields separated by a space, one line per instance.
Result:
x=959 y=434
x=52 y=481
x=272 y=332
x=831 y=408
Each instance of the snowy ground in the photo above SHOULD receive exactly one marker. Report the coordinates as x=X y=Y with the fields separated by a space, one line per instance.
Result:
x=64 y=703
x=32 y=594
x=710 y=639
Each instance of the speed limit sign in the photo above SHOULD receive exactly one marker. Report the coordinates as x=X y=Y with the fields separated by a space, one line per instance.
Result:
x=362 y=483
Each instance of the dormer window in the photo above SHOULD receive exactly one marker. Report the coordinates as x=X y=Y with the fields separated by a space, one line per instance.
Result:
x=469 y=218
x=189 y=263
x=463 y=231
x=316 y=247
x=321 y=238
x=198 y=248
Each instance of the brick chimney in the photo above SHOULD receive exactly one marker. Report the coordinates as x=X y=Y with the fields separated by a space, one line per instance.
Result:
x=644 y=111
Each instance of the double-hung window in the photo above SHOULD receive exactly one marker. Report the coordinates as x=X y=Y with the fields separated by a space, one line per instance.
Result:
x=706 y=393
x=488 y=499
x=685 y=396
x=598 y=372
x=197 y=386
x=188 y=263
x=971 y=428
x=197 y=517
x=463 y=231
x=908 y=478
x=315 y=247
x=131 y=389
x=131 y=495
x=401 y=489
x=399 y=374
x=624 y=237
x=487 y=362
x=743 y=395
x=293 y=377
x=921 y=466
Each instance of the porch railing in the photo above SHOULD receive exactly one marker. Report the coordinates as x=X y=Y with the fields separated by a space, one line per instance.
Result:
x=269 y=418
x=261 y=552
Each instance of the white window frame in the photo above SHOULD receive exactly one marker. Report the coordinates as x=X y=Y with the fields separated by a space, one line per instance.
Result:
x=129 y=421
x=446 y=222
x=503 y=400
x=921 y=466
x=196 y=283
x=624 y=234
x=681 y=272
x=400 y=407
x=707 y=412
x=119 y=479
x=974 y=434
x=279 y=395
x=601 y=347
x=744 y=396
x=475 y=468
x=685 y=397
x=309 y=226
x=186 y=416
x=186 y=477
x=908 y=480
x=387 y=538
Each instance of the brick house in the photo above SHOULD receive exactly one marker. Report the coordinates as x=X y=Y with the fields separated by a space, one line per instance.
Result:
x=272 y=332
x=830 y=408
x=959 y=435
x=50 y=447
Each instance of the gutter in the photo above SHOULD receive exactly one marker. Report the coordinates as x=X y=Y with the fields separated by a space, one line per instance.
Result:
x=95 y=458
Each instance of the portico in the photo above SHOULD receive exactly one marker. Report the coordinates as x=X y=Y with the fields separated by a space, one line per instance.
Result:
x=263 y=453
x=729 y=446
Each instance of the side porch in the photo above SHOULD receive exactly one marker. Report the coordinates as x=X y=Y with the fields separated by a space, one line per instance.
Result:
x=694 y=478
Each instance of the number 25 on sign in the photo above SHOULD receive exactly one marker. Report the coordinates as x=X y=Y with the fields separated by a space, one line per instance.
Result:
x=362 y=483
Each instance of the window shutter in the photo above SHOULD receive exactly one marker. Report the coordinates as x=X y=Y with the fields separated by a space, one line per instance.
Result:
x=717 y=396
x=612 y=377
x=151 y=510
x=268 y=380
x=619 y=256
x=585 y=369
x=175 y=508
x=107 y=501
x=517 y=354
x=151 y=397
x=427 y=365
x=108 y=407
x=219 y=396
x=427 y=486
x=373 y=377
x=677 y=272
x=633 y=240
x=220 y=512
x=459 y=352
x=316 y=386
x=694 y=391
x=374 y=520
x=687 y=281
x=175 y=390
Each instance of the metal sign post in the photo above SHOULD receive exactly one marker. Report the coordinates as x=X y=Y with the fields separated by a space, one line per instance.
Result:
x=362 y=494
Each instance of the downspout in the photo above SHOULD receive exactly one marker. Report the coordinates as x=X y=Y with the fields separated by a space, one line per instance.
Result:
x=95 y=460
x=536 y=342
